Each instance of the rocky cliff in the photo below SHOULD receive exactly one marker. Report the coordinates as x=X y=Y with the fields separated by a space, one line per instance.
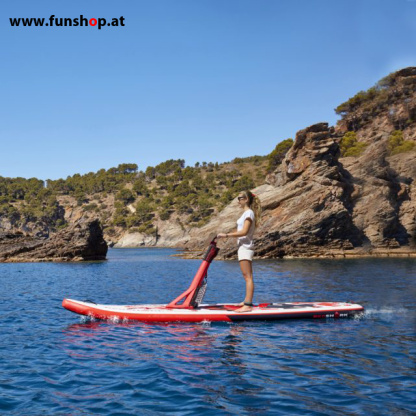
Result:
x=81 y=241
x=319 y=204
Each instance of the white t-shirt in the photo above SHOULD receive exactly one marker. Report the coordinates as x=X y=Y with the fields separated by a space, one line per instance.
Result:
x=247 y=240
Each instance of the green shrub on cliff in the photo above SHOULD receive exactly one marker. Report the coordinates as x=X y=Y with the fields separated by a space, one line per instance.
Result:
x=277 y=155
x=255 y=160
x=125 y=196
x=365 y=105
x=165 y=214
x=120 y=214
x=350 y=146
x=244 y=183
x=126 y=168
x=351 y=104
x=144 y=211
x=140 y=187
x=147 y=228
x=91 y=207
x=9 y=211
x=397 y=144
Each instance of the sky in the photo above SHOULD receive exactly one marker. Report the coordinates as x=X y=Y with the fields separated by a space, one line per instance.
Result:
x=200 y=80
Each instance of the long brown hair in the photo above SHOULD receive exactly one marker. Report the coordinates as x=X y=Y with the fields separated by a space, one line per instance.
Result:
x=254 y=204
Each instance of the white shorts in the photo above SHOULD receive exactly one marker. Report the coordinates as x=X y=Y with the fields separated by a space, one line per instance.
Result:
x=245 y=254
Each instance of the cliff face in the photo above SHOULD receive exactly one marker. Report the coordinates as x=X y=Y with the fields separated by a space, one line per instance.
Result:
x=318 y=204
x=306 y=204
x=384 y=197
x=83 y=240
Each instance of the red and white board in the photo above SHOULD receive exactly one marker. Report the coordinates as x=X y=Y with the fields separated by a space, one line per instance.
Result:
x=188 y=306
x=218 y=312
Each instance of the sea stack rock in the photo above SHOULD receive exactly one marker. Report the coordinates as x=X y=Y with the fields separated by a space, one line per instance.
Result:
x=309 y=210
x=306 y=202
x=81 y=241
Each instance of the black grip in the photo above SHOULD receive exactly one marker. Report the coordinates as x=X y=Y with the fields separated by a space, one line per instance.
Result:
x=211 y=252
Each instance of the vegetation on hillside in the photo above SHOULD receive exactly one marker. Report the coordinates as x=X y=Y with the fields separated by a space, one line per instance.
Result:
x=368 y=104
x=140 y=198
x=350 y=146
x=397 y=144
x=27 y=200
x=276 y=157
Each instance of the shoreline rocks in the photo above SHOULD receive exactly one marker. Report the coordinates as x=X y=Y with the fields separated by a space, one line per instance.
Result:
x=81 y=241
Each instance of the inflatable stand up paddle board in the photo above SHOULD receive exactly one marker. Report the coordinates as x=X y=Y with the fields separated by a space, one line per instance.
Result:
x=188 y=307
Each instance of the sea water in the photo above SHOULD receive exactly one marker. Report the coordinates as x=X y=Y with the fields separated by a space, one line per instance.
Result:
x=53 y=362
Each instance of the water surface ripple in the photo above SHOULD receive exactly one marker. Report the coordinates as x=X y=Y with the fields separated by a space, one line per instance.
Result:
x=53 y=362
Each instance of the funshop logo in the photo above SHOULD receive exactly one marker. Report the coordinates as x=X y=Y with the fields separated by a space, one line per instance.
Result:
x=53 y=21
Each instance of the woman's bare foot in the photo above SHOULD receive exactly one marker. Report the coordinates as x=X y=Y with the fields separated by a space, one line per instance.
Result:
x=244 y=308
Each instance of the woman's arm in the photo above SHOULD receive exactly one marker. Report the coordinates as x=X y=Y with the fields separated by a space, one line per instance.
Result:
x=241 y=233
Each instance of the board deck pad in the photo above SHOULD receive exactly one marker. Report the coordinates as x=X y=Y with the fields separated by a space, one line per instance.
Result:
x=216 y=312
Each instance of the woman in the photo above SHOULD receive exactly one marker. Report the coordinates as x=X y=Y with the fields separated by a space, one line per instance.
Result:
x=246 y=225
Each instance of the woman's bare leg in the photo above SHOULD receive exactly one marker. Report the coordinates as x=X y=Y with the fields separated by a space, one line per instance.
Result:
x=247 y=270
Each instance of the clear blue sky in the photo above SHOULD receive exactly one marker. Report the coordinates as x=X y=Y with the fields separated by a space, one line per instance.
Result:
x=200 y=80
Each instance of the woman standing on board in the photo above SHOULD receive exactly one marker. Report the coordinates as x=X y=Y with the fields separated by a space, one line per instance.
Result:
x=246 y=225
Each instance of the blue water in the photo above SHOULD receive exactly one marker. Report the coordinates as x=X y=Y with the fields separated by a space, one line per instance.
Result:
x=54 y=363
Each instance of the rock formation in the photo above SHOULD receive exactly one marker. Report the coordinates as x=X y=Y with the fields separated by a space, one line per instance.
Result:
x=317 y=204
x=82 y=240
x=307 y=203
